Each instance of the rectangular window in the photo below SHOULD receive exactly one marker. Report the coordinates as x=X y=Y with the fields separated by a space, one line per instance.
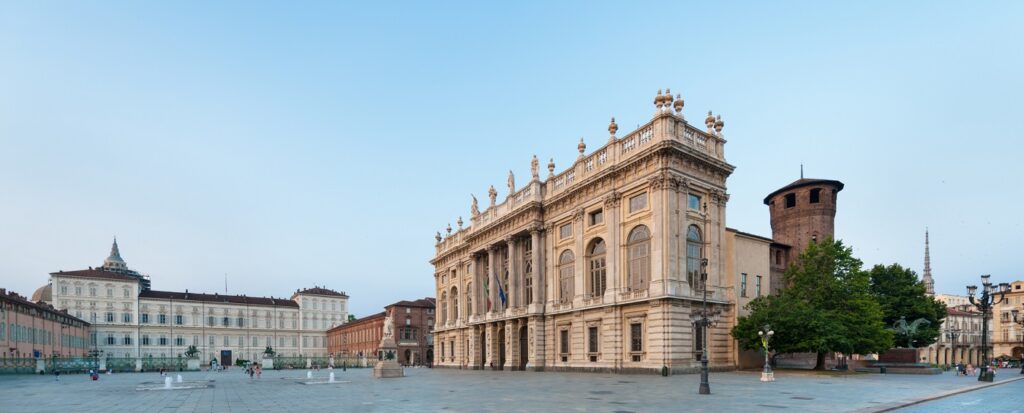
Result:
x=638 y=202
x=145 y=318
x=126 y=317
x=212 y=340
x=110 y=292
x=110 y=317
x=636 y=338
x=179 y=341
x=565 y=231
x=127 y=340
x=145 y=339
x=757 y=287
x=592 y=339
x=227 y=341
x=226 y=321
x=596 y=217
x=815 y=195
x=743 y=284
x=210 y=321
x=790 y=200
x=239 y=322
x=111 y=340
x=693 y=202
x=163 y=340
x=161 y=318
x=563 y=343
x=179 y=319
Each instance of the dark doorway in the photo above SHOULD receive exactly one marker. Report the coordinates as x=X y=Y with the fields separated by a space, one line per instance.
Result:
x=483 y=349
x=430 y=357
x=408 y=357
x=501 y=348
x=524 y=348
x=225 y=358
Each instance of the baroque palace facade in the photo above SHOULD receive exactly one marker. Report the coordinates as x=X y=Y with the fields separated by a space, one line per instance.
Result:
x=598 y=267
x=130 y=320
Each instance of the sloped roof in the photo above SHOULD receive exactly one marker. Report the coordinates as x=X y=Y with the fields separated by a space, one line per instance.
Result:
x=802 y=182
x=217 y=298
x=422 y=303
x=96 y=273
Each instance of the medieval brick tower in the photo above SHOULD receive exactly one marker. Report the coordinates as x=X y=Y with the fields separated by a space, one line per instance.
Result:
x=803 y=211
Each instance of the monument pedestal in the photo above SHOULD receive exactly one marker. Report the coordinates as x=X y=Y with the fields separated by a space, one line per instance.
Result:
x=386 y=366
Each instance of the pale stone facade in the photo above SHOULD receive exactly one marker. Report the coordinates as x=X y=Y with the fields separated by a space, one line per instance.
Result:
x=751 y=278
x=1007 y=333
x=591 y=269
x=132 y=321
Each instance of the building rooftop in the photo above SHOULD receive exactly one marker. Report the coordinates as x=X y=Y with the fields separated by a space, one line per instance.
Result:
x=217 y=298
x=41 y=306
x=802 y=182
x=427 y=302
x=97 y=273
x=321 y=291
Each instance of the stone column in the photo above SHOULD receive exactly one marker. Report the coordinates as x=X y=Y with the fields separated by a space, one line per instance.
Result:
x=538 y=281
x=513 y=273
x=492 y=276
x=656 y=284
x=535 y=343
x=579 y=285
x=615 y=273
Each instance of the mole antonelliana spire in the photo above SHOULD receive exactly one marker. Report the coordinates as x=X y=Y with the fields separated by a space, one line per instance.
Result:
x=929 y=283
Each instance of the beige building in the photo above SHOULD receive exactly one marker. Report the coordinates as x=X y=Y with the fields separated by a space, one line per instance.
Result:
x=130 y=320
x=597 y=267
x=1007 y=334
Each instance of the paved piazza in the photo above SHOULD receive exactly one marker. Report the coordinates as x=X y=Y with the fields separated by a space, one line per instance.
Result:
x=461 y=391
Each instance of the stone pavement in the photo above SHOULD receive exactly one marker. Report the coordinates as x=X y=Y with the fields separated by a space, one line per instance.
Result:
x=1007 y=398
x=474 y=391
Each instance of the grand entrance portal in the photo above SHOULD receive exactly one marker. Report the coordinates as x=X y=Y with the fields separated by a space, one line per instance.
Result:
x=501 y=347
x=524 y=355
x=225 y=358
x=483 y=349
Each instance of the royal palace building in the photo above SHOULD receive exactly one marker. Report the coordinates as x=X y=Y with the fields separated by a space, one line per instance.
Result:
x=598 y=267
x=130 y=320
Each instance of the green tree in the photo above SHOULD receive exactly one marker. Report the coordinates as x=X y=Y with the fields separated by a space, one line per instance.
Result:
x=826 y=307
x=901 y=294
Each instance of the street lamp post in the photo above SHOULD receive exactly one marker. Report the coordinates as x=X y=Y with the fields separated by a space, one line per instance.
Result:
x=985 y=303
x=703 y=322
x=1020 y=321
x=766 y=334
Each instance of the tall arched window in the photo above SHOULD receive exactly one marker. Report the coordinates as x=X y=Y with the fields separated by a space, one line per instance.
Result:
x=693 y=247
x=565 y=276
x=528 y=271
x=443 y=316
x=638 y=250
x=596 y=266
x=469 y=299
x=455 y=304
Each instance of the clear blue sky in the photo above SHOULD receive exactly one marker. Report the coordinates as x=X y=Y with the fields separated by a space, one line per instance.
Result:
x=292 y=144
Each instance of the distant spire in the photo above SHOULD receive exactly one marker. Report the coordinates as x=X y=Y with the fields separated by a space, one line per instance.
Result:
x=114 y=261
x=929 y=283
x=801 y=171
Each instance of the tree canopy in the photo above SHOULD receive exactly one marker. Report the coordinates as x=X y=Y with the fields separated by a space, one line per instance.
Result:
x=901 y=294
x=826 y=306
